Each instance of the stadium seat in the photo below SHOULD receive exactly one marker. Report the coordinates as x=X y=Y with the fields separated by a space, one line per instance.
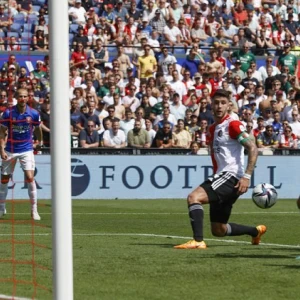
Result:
x=15 y=34
x=73 y=28
x=26 y=35
x=19 y=18
x=179 y=51
x=46 y=19
x=2 y=34
x=27 y=27
x=71 y=36
x=36 y=8
x=16 y=27
x=96 y=9
x=41 y=2
x=32 y=19
x=25 y=47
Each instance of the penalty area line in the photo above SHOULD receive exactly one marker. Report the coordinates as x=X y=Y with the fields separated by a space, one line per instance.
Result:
x=2 y=297
x=160 y=213
x=163 y=236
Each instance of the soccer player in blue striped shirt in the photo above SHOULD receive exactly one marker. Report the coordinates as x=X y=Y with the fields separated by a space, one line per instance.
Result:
x=18 y=124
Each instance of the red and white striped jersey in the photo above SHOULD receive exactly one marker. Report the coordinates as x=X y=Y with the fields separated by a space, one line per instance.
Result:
x=227 y=153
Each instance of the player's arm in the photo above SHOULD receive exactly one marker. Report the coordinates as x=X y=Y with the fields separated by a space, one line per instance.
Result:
x=3 y=140
x=39 y=134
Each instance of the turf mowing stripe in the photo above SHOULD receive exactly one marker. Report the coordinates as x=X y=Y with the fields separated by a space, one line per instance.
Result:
x=162 y=236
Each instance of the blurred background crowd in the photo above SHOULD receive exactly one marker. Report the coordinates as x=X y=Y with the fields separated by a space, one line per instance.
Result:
x=143 y=72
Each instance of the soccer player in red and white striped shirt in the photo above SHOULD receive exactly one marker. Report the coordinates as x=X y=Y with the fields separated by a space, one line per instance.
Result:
x=228 y=139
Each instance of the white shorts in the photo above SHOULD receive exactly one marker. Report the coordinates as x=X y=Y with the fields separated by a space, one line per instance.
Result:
x=26 y=160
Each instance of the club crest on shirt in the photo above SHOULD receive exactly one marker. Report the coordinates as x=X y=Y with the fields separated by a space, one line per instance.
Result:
x=28 y=119
x=242 y=128
x=220 y=133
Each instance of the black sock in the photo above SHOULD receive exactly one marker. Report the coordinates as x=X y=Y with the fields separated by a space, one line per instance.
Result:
x=196 y=215
x=237 y=229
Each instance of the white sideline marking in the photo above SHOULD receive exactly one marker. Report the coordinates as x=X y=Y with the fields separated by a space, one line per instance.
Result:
x=10 y=297
x=159 y=235
x=153 y=213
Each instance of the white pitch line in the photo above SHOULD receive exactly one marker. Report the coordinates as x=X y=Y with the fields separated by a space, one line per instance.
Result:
x=161 y=236
x=154 y=213
x=10 y=297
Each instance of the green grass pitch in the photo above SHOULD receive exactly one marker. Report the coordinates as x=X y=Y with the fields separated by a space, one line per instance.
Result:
x=123 y=249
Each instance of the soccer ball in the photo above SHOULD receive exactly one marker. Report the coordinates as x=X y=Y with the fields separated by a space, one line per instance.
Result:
x=264 y=195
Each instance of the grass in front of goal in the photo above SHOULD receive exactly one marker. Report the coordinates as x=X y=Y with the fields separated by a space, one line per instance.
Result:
x=124 y=250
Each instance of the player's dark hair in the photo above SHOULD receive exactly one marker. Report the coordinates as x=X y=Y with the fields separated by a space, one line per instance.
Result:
x=221 y=93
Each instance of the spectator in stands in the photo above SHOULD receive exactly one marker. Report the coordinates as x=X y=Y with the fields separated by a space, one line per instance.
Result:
x=245 y=56
x=172 y=34
x=128 y=123
x=79 y=57
x=77 y=118
x=12 y=61
x=114 y=137
x=89 y=137
x=146 y=65
x=39 y=41
x=13 y=44
x=201 y=136
x=124 y=60
x=163 y=138
x=267 y=139
x=131 y=101
x=288 y=139
x=90 y=115
x=277 y=125
x=24 y=7
x=191 y=63
x=288 y=59
x=176 y=107
x=263 y=69
x=78 y=13
x=204 y=113
x=45 y=121
x=5 y=19
x=166 y=116
x=80 y=38
x=194 y=149
x=249 y=129
x=42 y=26
x=181 y=137
x=100 y=55
x=158 y=22
x=138 y=137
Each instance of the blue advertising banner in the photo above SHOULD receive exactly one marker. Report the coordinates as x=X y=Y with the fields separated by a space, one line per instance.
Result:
x=151 y=177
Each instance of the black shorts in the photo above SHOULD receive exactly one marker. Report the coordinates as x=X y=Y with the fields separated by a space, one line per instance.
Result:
x=221 y=194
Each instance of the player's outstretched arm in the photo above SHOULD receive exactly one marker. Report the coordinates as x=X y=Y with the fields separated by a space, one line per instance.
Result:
x=244 y=182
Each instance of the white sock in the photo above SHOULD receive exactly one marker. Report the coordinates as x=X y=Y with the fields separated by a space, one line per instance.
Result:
x=32 y=193
x=3 y=195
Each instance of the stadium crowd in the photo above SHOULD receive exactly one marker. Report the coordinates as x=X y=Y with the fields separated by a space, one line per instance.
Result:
x=143 y=73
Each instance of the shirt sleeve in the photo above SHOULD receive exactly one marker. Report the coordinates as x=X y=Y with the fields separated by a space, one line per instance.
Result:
x=237 y=131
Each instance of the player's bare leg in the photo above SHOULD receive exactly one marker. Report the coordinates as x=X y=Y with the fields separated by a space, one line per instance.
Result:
x=196 y=214
x=3 y=193
x=32 y=193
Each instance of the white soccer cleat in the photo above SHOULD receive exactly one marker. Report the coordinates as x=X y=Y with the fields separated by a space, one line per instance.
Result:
x=35 y=216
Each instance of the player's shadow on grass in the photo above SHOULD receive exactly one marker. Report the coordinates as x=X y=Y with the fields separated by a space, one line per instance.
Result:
x=291 y=267
x=259 y=256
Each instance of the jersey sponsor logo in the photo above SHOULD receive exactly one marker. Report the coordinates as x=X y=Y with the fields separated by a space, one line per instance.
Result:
x=28 y=119
x=220 y=133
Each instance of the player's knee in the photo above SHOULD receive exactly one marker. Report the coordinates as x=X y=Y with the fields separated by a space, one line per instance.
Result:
x=218 y=231
x=5 y=179
x=29 y=179
x=191 y=199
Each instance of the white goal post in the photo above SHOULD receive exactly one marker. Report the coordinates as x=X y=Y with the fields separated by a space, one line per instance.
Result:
x=60 y=151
